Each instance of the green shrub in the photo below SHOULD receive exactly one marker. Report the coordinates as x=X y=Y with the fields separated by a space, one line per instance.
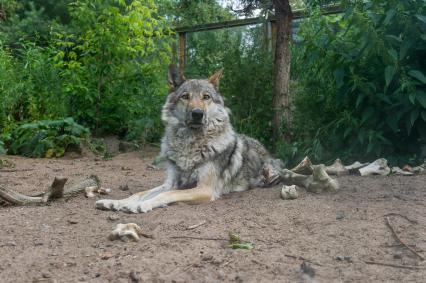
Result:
x=47 y=138
x=361 y=85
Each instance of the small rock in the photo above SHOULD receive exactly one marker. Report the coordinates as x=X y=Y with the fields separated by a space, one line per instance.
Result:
x=124 y=188
x=72 y=221
x=340 y=215
x=134 y=277
x=46 y=275
x=397 y=256
x=106 y=256
x=344 y=258
x=97 y=274
x=289 y=192
x=38 y=243
x=113 y=217
x=307 y=273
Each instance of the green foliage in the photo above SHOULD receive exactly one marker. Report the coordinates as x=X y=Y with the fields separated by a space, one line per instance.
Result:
x=47 y=138
x=114 y=67
x=361 y=88
x=2 y=148
x=235 y=242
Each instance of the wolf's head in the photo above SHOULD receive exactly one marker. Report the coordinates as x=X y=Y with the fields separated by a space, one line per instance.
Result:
x=195 y=104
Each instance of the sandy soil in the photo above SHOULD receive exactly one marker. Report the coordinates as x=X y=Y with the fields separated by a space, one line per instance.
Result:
x=334 y=233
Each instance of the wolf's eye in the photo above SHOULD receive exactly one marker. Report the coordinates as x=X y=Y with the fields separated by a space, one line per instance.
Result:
x=185 y=96
x=206 y=96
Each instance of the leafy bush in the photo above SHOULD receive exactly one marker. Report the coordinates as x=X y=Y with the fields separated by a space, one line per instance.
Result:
x=114 y=64
x=361 y=88
x=47 y=138
x=2 y=148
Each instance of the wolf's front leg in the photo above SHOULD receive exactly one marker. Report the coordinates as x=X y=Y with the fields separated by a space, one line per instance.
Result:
x=131 y=203
x=198 y=194
x=204 y=191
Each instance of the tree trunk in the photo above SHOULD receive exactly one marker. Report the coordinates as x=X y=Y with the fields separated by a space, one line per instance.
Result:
x=281 y=102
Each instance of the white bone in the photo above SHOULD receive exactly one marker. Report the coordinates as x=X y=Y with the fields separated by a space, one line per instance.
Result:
x=90 y=191
x=289 y=192
x=337 y=168
x=126 y=232
x=304 y=167
x=321 y=181
x=399 y=171
x=356 y=165
x=378 y=167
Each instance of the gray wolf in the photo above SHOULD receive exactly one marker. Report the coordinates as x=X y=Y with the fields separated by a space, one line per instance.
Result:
x=205 y=157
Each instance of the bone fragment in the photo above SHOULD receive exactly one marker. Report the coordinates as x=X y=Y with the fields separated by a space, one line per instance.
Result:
x=304 y=167
x=126 y=232
x=378 y=167
x=337 y=168
x=398 y=171
x=318 y=181
x=89 y=192
x=415 y=170
x=321 y=181
x=289 y=192
x=356 y=165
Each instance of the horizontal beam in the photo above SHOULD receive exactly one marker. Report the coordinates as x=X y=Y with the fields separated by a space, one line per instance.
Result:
x=298 y=14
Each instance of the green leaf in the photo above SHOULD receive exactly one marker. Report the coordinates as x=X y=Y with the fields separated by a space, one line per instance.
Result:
x=412 y=98
x=418 y=75
x=421 y=18
x=338 y=75
x=423 y=116
x=367 y=114
x=370 y=147
x=405 y=46
x=389 y=16
x=360 y=97
x=392 y=52
x=421 y=98
x=413 y=116
x=389 y=74
x=243 y=246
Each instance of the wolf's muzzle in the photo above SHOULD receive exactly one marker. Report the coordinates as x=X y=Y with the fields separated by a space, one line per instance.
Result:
x=197 y=115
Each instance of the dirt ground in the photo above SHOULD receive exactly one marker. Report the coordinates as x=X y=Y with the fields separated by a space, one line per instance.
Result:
x=334 y=233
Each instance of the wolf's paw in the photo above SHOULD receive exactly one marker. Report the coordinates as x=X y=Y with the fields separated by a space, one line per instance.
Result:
x=136 y=207
x=108 y=204
x=129 y=206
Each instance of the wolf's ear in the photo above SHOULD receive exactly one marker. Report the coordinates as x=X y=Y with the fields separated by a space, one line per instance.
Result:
x=215 y=78
x=175 y=79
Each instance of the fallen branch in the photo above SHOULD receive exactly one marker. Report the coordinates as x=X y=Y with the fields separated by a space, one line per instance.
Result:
x=399 y=239
x=392 y=265
x=15 y=170
x=199 y=238
x=55 y=191
x=196 y=225
x=403 y=216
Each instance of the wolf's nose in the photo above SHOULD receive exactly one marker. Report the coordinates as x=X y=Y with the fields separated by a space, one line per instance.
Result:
x=197 y=114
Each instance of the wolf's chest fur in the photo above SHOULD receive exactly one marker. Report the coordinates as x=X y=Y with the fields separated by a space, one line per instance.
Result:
x=188 y=149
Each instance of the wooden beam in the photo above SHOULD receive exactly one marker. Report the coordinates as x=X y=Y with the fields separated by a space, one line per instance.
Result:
x=298 y=14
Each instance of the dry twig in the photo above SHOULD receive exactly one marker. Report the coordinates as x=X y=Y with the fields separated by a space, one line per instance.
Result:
x=403 y=216
x=391 y=264
x=198 y=238
x=196 y=225
x=399 y=239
